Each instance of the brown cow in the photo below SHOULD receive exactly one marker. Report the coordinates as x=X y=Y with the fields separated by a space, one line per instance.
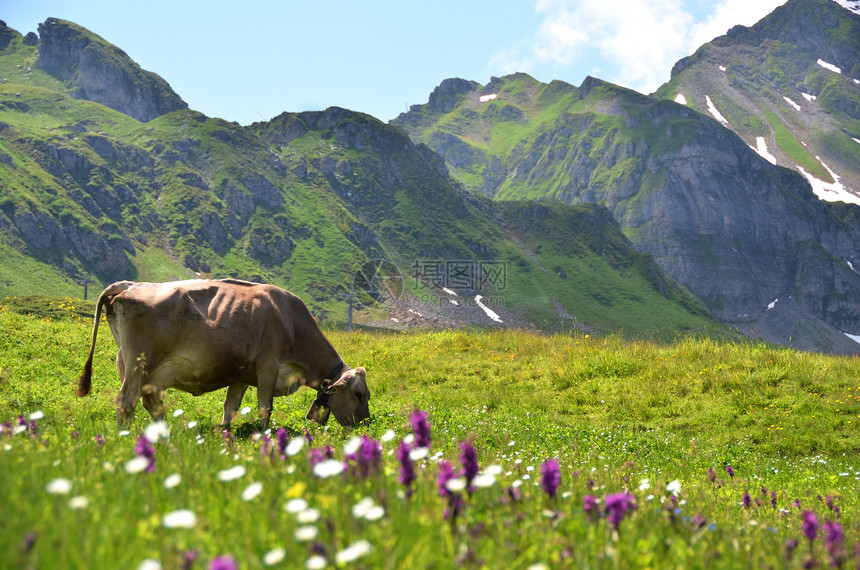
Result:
x=202 y=335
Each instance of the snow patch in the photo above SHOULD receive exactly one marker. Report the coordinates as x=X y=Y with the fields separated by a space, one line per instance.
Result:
x=850 y=5
x=792 y=103
x=854 y=337
x=761 y=148
x=490 y=313
x=680 y=99
x=772 y=304
x=713 y=111
x=490 y=97
x=828 y=66
x=830 y=191
x=809 y=97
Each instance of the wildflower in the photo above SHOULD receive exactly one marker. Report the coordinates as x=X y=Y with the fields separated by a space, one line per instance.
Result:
x=283 y=438
x=746 y=500
x=367 y=509
x=226 y=562
x=182 y=518
x=156 y=430
x=698 y=521
x=75 y=434
x=295 y=446
x=306 y=533
x=674 y=487
x=172 y=481
x=810 y=525
x=834 y=538
x=328 y=468
x=136 y=465
x=100 y=440
x=232 y=473
x=616 y=506
x=274 y=556
x=773 y=499
x=320 y=454
x=308 y=516
x=469 y=460
x=712 y=475
x=446 y=473
x=178 y=412
x=59 y=486
x=407 y=469
x=644 y=485
x=388 y=436
x=353 y=552
x=149 y=564
x=367 y=457
x=296 y=505
x=227 y=436
x=188 y=559
x=315 y=562
x=589 y=505
x=144 y=449
x=251 y=491
x=421 y=428
x=267 y=450
x=790 y=546
x=79 y=503
x=730 y=471
x=550 y=477
x=446 y=483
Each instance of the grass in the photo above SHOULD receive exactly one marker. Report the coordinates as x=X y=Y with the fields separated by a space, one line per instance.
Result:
x=620 y=416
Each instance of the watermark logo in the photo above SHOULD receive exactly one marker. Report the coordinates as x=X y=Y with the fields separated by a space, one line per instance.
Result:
x=377 y=282
x=468 y=274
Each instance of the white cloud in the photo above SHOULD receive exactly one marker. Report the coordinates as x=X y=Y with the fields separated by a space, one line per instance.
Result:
x=634 y=44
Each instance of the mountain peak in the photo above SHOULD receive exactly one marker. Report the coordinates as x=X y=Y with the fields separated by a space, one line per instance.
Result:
x=100 y=72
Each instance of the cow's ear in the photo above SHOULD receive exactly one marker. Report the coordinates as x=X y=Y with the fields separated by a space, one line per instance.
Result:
x=318 y=413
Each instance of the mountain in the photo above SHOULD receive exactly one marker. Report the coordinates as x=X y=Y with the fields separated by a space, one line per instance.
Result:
x=790 y=87
x=748 y=237
x=105 y=174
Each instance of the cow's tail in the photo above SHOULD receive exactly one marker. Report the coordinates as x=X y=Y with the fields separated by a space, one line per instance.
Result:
x=86 y=381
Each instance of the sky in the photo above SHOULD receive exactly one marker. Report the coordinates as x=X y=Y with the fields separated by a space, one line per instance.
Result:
x=253 y=60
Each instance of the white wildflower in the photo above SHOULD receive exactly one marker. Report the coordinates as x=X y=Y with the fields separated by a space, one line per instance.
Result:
x=59 y=486
x=306 y=533
x=79 y=503
x=296 y=505
x=172 y=481
x=136 y=465
x=156 y=430
x=315 y=562
x=353 y=552
x=232 y=473
x=274 y=556
x=328 y=468
x=183 y=518
x=251 y=491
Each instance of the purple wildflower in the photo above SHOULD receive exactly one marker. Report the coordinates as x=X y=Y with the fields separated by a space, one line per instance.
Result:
x=589 y=505
x=188 y=559
x=550 y=477
x=368 y=457
x=309 y=437
x=145 y=449
x=421 y=428
x=100 y=440
x=796 y=503
x=830 y=503
x=319 y=454
x=833 y=542
x=227 y=436
x=75 y=434
x=225 y=562
x=712 y=475
x=698 y=521
x=455 y=500
x=773 y=499
x=407 y=469
x=810 y=525
x=266 y=450
x=790 y=546
x=33 y=428
x=730 y=471
x=6 y=428
x=283 y=438
x=746 y=500
x=616 y=506
x=764 y=490
x=469 y=460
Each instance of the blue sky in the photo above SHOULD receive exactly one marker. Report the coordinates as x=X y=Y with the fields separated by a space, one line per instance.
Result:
x=250 y=61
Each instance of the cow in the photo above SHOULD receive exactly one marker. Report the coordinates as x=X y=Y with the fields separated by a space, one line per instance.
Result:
x=202 y=335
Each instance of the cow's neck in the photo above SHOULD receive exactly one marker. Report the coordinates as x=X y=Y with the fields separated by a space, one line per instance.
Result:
x=318 y=357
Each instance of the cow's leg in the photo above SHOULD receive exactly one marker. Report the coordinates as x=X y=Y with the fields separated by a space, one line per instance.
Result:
x=129 y=392
x=235 y=393
x=266 y=394
x=152 y=402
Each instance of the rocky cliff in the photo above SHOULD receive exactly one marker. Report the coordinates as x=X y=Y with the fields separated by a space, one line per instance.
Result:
x=100 y=72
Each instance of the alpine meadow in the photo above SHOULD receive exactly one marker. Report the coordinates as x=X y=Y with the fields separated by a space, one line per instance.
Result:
x=601 y=329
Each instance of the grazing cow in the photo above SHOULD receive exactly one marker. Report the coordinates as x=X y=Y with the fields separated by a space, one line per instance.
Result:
x=203 y=335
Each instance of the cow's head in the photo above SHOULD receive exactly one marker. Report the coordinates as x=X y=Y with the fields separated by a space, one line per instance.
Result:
x=348 y=397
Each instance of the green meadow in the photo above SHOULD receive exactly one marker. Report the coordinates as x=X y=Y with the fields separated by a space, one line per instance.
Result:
x=691 y=454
